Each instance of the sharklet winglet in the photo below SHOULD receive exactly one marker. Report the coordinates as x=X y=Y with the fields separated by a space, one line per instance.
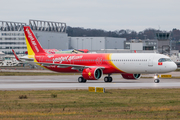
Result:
x=15 y=55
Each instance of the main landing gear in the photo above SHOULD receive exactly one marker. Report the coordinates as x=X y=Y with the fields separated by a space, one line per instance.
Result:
x=81 y=80
x=108 y=78
x=156 y=80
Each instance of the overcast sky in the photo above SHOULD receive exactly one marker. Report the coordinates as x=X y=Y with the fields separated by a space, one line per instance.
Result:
x=99 y=14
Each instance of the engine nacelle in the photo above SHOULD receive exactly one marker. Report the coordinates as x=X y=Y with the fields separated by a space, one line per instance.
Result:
x=92 y=73
x=131 y=76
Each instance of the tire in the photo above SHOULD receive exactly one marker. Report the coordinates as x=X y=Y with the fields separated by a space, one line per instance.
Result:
x=80 y=79
x=156 y=80
x=106 y=79
x=84 y=80
x=110 y=79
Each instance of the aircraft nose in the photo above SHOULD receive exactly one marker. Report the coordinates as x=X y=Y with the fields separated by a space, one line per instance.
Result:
x=173 y=66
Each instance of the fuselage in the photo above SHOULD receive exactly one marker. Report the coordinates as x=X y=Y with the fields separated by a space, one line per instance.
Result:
x=112 y=62
x=92 y=66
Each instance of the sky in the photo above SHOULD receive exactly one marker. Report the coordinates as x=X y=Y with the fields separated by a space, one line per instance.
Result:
x=107 y=15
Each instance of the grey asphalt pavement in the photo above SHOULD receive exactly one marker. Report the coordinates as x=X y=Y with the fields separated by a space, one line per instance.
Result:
x=70 y=82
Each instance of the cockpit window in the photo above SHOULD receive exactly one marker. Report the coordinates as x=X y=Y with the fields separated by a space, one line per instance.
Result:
x=164 y=60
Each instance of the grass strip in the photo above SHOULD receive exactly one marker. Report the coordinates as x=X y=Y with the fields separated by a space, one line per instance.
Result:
x=81 y=104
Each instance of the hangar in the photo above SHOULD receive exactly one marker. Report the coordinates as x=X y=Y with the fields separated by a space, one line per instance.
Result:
x=96 y=43
x=51 y=35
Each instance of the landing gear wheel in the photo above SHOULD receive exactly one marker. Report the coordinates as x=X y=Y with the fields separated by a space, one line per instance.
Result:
x=156 y=80
x=84 y=80
x=108 y=79
x=81 y=80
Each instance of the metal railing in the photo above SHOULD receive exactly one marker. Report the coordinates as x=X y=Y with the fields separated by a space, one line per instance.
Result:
x=49 y=26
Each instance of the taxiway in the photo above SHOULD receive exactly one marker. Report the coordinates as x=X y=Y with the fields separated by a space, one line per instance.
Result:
x=64 y=82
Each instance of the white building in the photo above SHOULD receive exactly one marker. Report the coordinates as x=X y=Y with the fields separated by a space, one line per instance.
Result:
x=51 y=35
x=141 y=44
x=96 y=43
x=12 y=37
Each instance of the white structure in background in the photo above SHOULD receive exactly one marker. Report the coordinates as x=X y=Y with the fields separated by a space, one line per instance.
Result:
x=12 y=37
x=51 y=35
x=96 y=43
x=175 y=56
x=9 y=60
x=134 y=45
x=141 y=44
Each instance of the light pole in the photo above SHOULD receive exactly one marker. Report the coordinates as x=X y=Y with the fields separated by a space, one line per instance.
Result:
x=77 y=43
x=91 y=44
x=48 y=44
x=145 y=36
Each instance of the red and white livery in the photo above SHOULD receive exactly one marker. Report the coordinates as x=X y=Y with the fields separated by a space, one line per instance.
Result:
x=94 y=65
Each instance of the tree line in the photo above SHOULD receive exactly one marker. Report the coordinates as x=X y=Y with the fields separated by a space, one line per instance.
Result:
x=149 y=33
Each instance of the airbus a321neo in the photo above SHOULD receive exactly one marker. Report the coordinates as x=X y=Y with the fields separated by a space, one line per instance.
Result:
x=94 y=65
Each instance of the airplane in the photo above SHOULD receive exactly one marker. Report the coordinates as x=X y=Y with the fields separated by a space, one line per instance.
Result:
x=94 y=65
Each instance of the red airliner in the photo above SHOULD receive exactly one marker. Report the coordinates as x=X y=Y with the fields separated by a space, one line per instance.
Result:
x=94 y=65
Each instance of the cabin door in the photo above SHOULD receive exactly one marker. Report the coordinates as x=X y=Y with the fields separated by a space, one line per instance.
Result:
x=150 y=61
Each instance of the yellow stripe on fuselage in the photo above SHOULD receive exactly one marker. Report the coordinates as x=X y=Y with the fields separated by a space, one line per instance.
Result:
x=111 y=62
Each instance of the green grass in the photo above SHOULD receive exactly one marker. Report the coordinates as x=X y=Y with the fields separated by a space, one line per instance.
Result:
x=81 y=104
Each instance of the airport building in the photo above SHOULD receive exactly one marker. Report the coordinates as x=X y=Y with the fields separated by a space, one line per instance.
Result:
x=12 y=37
x=51 y=35
x=141 y=45
x=96 y=43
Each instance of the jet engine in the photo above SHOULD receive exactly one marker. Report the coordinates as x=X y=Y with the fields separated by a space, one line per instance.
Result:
x=92 y=73
x=131 y=76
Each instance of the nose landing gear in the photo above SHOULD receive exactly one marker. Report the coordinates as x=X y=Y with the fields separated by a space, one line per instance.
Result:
x=156 y=80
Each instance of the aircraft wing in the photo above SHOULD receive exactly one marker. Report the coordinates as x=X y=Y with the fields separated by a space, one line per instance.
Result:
x=26 y=59
x=67 y=65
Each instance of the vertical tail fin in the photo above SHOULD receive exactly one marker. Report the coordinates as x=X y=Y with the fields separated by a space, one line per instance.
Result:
x=32 y=43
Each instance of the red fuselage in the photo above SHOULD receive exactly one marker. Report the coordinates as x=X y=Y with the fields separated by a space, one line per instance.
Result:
x=98 y=60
